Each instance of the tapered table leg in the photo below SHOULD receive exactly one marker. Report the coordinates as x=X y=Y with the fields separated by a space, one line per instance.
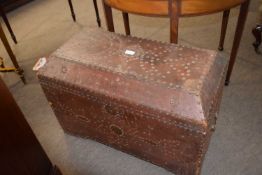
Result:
x=8 y=24
x=11 y=54
x=72 y=10
x=126 y=22
x=223 y=29
x=257 y=34
x=109 y=17
x=239 y=31
x=97 y=13
x=174 y=12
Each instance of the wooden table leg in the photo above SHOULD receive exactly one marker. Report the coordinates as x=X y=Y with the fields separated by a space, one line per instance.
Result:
x=239 y=31
x=7 y=24
x=257 y=34
x=174 y=12
x=126 y=22
x=72 y=10
x=223 y=29
x=97 y=13
x=109 y=17
x=11 y=54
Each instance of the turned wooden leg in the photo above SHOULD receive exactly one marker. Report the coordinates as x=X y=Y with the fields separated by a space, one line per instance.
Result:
x=126 y=23
x=109 y=17
x=223 y=29
x=11 y=54
x=257 y=34
x=238 y=34
x=97 y=13
x=72 y=10
x=8 y=24
x=174 y=11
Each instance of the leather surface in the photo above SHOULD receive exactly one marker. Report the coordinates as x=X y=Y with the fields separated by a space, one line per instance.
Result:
x=159 y=103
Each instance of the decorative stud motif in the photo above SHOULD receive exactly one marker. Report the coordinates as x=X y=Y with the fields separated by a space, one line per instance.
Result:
x=162 y=64
x=159 y=64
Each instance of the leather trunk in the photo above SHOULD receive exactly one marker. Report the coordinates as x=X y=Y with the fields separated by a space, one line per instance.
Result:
x=153 y=100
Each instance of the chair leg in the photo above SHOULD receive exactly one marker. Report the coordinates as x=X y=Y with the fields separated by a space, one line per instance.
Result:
x=97 y=13
x=126 y=23
x=8 y=24
x=238 y=34
x=223 y=29
x=257 y=34
x=72 y=10
x=174 y=11
x=11 y=54
x=109 y=17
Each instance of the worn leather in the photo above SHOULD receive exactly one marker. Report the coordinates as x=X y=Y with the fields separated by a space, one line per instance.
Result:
x=158 y=103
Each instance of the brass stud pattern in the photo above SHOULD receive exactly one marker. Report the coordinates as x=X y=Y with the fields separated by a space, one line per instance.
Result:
x=159 y=63
x=163 y=64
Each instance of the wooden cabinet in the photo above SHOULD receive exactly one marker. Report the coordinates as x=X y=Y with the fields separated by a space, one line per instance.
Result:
x=20 y=151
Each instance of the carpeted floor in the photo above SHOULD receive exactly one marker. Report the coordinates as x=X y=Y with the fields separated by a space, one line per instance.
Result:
x=236 y=146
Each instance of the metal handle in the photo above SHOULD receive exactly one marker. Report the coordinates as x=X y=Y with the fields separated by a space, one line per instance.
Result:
x=117 y=130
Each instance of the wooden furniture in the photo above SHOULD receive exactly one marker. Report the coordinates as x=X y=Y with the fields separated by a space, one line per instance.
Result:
x=9 y=5
x=3 y=14
x=6 y=6
x=257 y=34
x=96 y=10
x=180 y=8
x=16 y=68
x=258 y=30
x=4 y=17
x=156 y=101
x=21 y=153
